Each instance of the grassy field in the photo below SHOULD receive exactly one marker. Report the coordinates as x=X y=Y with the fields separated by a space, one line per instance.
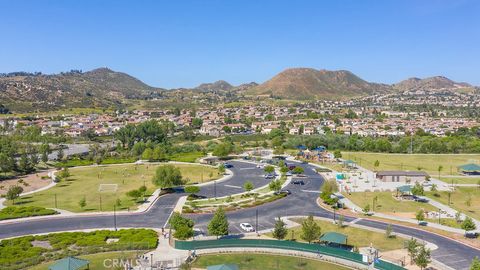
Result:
x=356 y=236
x=426 y=162
x=459 y=200
x=461 y=180
x=264 y=262
x=97 y=260
x=386 y=203
x=85 y=183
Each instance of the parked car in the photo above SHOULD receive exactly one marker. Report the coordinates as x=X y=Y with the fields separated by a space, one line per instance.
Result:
x=288 y=174
x=420 y=199
x=269 y=176
x=298 y=182
x=247 y=227
x=422 y=223
x=286 y=191
x=228 y=165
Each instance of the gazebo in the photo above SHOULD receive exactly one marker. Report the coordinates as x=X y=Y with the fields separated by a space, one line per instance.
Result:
x=470 y=169
x=70 y=263
x=404 y=190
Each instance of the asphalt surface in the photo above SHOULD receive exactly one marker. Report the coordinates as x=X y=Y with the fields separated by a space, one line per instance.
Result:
x=302 y=201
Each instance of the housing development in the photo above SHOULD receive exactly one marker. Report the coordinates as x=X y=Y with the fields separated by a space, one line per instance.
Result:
x=295 y=162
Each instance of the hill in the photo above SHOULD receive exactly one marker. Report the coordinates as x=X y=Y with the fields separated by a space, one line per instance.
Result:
x=97 y=88
x=307 y=83
x=431 y=84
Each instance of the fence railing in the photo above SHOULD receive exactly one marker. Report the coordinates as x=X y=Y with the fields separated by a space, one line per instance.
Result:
x=287 y=245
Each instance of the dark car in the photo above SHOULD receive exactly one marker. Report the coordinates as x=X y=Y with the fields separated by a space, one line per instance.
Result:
x=228 y=165
x=298 y=182
x=286 y=191
x=420 y=199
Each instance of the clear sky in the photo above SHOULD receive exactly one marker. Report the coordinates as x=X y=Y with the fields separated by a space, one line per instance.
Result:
x=184 y=43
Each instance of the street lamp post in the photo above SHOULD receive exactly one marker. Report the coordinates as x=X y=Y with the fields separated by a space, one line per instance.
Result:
x=215 y=189
x=256 y=221
x=114 y=217
x=334 y=212
x=439 y=213
x=55 y=200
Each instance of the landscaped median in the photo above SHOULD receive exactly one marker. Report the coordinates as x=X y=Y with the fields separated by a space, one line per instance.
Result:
x=249 y=198
x=13 y=212
x=22 y=252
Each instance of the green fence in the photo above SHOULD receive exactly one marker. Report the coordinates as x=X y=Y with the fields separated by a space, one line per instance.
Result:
x=288 y=245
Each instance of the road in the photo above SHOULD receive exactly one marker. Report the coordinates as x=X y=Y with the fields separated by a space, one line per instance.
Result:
x=302 y=201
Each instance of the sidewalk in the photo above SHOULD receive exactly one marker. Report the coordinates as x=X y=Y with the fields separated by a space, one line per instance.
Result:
x=164 y=254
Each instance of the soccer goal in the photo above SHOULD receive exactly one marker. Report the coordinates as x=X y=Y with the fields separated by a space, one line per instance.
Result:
x=107 y=187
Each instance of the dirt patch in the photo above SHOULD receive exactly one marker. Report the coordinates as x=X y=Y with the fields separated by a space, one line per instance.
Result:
x=41 y=244
x=28 y=182
x=398 y=256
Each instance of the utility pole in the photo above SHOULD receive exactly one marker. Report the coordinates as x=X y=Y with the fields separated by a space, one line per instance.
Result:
x=115 y=217
x=100 y=202
x=256 y=221
x=439 y=213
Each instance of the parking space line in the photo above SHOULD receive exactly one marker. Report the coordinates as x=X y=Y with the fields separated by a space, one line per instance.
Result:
x=312 y=191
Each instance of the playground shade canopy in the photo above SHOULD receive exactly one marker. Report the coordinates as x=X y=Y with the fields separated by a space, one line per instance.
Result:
x=334 y=238
x=69 y=263
x=469 y=168
x=223 y=267
x=405 y=189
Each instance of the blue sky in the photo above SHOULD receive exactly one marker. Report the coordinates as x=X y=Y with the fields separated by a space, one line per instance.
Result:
x=184 y=43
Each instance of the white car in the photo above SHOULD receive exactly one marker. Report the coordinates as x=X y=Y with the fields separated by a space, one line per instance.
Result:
x=247 y=227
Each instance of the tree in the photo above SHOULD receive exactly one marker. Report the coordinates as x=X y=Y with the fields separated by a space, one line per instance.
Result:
x=423 y=257
x=7 y=163
x=167 y=176
x=221 y=169
x=275 y=186
x=218 y=225
x=376 y=164
x=412 y=246
x=310 y=230
x=269 y=169
x=389 y=231
x=337 y=154
x=147 y=154
x=192 y=189
x=468 y=224
x=60 y=154
x=279 y=231
x=64 y=173
x=13 y=193
x=439 y=169
x=24 y=163
x=417 y=189
x=340 y=221
x=475 y=264
x=420 y=215
x=248 y=186
x=135 y=194
x=298 y=170
x=433 y=188
x=83 y=202
x=183 y=226
x=366 y=209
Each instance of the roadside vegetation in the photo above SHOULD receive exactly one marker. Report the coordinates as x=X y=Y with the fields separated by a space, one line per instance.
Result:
x=13 y=212
x=22 y=252
x=463 y=199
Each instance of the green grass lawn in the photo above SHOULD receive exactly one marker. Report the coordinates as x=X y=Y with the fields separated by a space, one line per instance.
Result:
x=84 y=183
x=356 y=236
x=248 y=261
x=12 y=212
x=97 y=260
x=386 y=203
x=459 y=200
x=461 y=180
x=428 y=163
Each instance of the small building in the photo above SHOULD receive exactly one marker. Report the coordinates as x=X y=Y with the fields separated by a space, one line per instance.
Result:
x=70 y=263
x=402 y=176
x=469 y=169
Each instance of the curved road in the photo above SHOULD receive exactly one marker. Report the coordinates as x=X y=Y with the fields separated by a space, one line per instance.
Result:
x=302 y=201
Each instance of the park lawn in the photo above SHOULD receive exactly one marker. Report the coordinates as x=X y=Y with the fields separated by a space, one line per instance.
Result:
x=386 y=203
x=427 y=162
x=85 y=182
x=461 y=180
x=97 y=260
x=458 y=200
x=249 y=261
x=186 y=157
x=356 y=237
x=450 y=222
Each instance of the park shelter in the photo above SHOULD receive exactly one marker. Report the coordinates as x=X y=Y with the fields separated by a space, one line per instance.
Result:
x=404 y=190
x=350 y=163
x=223 y=267
x=70 y=263
x=471 y=169
x=335 y=239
